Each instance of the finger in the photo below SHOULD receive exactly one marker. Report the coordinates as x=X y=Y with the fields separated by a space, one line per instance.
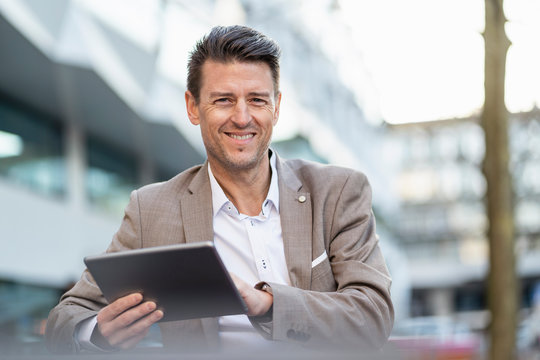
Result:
x=119 y=306
x=134 y=331
x=125 y=319
x=239 y=283
x=134 y=340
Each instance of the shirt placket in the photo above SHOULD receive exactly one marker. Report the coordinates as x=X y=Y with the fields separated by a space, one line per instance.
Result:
x=257 y=240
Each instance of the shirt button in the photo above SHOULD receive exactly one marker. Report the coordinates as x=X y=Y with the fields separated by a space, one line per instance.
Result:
x=302 y=198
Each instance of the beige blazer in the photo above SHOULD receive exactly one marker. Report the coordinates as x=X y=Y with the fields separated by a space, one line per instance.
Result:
x=340 y=291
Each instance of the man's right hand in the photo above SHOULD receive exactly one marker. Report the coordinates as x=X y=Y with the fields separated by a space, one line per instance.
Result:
x=125 y=322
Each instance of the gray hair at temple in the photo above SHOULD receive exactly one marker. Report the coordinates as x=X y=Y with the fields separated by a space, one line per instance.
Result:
x=227 y=44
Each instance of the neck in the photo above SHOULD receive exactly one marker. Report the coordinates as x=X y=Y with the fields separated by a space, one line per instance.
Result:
x=246 y=189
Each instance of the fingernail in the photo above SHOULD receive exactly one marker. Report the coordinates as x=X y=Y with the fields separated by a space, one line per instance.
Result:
x=158 y=314
x=151 y=306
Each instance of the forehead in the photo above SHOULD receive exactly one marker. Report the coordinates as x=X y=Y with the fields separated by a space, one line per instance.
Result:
x=235 y=75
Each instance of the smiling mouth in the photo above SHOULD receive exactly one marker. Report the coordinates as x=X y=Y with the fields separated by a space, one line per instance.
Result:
x=240 y=137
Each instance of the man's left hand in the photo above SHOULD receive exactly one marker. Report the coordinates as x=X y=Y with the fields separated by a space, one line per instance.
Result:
x=257 y=301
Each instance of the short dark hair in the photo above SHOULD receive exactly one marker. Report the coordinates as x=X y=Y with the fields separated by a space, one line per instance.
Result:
x=232 y=43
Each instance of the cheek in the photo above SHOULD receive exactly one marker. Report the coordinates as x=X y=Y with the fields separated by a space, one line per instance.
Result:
x=218 y=113
x=268 y=114
x=205 y=131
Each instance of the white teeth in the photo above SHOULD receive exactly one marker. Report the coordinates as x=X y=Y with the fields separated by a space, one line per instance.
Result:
x=243 y=137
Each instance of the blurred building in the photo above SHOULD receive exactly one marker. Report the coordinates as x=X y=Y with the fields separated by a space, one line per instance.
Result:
x=442 y=222
x=92 y=107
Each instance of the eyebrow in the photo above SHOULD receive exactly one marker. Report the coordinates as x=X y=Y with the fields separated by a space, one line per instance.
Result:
x=260 y=94
x=220 y=94
x=215 y=94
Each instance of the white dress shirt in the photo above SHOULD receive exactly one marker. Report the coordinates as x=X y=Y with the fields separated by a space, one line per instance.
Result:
x=251 y=247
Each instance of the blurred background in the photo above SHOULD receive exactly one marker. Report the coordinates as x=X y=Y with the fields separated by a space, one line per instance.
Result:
x=92 y=107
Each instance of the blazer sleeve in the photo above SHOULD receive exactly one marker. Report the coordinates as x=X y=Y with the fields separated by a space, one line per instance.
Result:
x=359 y=312
x=85 y=299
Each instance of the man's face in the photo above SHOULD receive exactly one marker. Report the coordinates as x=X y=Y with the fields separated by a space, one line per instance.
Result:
x=237 y=111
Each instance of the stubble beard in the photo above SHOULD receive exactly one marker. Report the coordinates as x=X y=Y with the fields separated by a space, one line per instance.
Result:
x=236 y=162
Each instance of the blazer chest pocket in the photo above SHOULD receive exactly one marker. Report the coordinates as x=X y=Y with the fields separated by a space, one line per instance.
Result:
x=322 y=278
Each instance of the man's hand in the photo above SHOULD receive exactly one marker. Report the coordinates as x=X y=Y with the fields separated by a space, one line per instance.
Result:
x=257 y=301
x=126 y=321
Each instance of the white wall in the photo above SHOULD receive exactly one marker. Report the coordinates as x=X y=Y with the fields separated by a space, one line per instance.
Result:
x=44 y=240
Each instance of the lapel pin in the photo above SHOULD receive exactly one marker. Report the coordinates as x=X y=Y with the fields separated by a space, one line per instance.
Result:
x=302 y=198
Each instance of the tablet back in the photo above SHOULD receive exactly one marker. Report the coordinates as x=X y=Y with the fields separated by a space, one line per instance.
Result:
x=186 y=281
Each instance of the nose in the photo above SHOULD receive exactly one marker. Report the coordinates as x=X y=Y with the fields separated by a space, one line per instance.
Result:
x=241 y=116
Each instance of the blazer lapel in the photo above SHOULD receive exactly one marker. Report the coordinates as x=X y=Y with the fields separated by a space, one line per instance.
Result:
x=196 y=207
x=296 y=225
x=197 y=218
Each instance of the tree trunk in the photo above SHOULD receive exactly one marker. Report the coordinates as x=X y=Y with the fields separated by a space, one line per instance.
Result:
x=502 y=281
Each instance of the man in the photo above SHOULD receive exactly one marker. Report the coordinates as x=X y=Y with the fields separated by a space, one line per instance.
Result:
x=298 y=237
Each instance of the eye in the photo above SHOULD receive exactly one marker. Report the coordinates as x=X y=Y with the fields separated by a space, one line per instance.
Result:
x=222 y=101
x=258 y=101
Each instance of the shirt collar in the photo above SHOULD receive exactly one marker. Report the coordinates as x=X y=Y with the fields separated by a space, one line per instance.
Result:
x=273 y=190
x=219 y=199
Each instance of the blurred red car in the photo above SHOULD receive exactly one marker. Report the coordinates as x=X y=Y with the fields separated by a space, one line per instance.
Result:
x=435 y=338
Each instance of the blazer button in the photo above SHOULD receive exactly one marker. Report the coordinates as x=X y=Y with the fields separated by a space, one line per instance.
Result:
x=297 y=335
x=291 y=334
x=303 y=337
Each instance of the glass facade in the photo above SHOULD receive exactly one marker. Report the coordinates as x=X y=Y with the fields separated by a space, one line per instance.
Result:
x=111 y=176
x=23 y=312
x=31 y=150
x=442 y=193
x=32 y=154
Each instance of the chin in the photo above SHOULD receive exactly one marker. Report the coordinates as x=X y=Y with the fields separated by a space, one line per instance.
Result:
x=242 y=162
x=242 y=165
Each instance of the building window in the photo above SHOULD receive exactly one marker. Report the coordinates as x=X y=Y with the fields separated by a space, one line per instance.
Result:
x=111 y=176
x=31 y=150
x=23 y=316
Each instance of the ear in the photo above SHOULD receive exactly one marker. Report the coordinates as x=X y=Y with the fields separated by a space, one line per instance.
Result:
x=276 y=109
x=192 y=108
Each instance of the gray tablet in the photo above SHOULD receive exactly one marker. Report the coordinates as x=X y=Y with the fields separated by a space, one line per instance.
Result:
x=186 y=281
